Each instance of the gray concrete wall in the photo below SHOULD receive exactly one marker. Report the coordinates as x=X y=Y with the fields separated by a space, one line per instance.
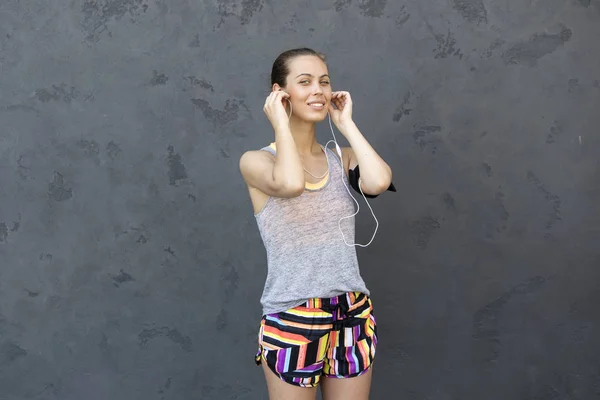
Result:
x=130 y=263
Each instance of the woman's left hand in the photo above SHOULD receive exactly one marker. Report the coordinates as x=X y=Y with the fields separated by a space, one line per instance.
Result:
x=342 y=113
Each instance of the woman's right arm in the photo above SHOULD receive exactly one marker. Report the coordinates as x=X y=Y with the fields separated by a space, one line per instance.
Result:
x=281 y=175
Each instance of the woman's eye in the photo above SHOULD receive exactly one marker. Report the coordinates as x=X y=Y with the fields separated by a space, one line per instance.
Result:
x=325 y=83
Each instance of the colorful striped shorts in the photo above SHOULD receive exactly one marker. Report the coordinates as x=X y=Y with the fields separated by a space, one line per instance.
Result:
x=333 y=337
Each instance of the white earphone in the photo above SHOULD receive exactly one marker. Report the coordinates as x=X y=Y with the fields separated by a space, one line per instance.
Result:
x=339 y=152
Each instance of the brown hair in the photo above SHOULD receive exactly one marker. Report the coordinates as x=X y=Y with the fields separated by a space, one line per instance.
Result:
x=281 y=69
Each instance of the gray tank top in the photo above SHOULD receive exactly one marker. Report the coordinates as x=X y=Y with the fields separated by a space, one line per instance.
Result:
x=306 y=254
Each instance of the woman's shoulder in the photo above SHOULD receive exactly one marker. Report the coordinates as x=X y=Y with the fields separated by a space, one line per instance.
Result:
x=261 y=151
x=253 y=157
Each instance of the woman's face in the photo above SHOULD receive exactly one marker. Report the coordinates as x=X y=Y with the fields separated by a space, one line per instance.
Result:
x=309 y=88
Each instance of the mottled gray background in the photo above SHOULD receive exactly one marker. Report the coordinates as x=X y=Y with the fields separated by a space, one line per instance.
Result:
x=131 y=265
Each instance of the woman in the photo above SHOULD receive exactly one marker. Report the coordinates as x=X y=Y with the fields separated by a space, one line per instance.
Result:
x=318 y=325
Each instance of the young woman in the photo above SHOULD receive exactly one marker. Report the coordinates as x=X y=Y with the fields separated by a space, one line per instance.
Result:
x=318 y=326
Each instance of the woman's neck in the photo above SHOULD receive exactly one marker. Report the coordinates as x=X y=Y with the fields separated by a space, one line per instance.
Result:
x=304 y=136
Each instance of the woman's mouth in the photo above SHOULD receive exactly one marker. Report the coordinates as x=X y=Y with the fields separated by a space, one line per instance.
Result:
x=319 y=106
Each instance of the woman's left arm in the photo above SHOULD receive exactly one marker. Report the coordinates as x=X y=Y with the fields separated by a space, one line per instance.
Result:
x=375 y=173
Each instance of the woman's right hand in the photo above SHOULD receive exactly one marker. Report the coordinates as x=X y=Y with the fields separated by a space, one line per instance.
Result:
x=275 y=108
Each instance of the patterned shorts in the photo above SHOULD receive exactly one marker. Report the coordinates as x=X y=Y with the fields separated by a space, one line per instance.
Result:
x=335 y=337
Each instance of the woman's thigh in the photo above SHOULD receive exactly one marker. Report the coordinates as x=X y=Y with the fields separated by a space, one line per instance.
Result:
x=280 y=390
x=356 y=388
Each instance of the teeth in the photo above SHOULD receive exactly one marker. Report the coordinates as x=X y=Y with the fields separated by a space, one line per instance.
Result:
x=317 y=104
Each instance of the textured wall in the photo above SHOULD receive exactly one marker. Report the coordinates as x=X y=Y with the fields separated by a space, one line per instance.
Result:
x=130 y=263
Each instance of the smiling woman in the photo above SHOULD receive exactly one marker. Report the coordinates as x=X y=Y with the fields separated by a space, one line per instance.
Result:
x=306 y=70
x=318 y=324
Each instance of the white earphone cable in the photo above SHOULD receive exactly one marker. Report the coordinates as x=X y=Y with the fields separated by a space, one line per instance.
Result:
x=339 y=152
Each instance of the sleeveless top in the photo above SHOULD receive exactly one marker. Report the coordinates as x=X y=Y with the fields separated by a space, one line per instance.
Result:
x=306 y=254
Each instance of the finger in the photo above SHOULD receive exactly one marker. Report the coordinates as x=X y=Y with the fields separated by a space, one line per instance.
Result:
x=283 y=98
x=342 y=96
x=281 y=94
x=276 y=97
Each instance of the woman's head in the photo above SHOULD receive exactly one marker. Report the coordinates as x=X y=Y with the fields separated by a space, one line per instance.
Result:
x=303 y=74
